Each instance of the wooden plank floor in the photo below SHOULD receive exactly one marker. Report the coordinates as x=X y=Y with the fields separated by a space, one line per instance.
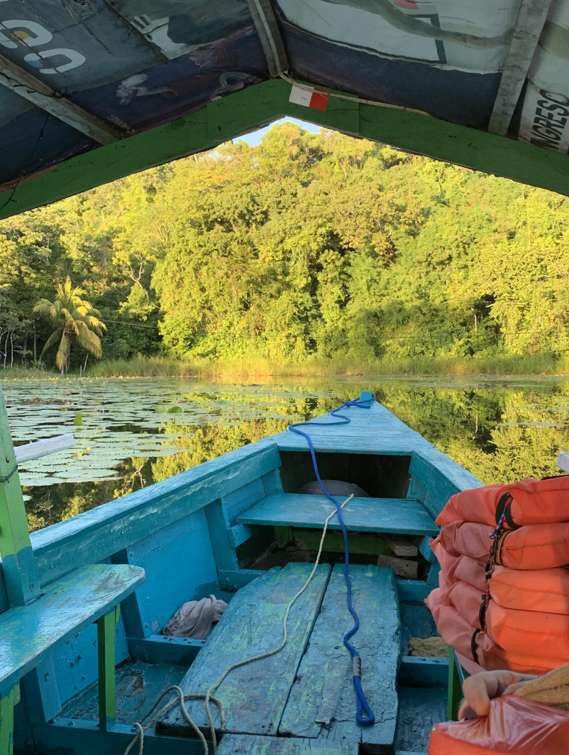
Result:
x=322 y=702
x=255 y=695
x=235 y=744
x=396 y=515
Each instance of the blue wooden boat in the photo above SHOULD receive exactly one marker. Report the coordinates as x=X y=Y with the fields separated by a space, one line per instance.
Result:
x=83 y=603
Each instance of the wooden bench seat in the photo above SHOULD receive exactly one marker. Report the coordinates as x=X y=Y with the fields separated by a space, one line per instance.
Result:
x=322 y=702
x=360 y=515
x=28 y=634
x=255 y=695
x=303 y=696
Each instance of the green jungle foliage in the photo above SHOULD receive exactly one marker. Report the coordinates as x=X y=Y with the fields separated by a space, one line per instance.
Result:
x=307 y=247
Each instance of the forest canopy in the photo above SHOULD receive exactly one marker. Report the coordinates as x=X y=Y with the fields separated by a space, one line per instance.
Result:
x=308 y=245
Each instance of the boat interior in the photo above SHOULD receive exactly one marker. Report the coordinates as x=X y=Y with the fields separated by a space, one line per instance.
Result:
x=236 y=527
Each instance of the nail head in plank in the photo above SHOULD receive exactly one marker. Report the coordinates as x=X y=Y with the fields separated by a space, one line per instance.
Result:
x=254 y=695
x=397 y=515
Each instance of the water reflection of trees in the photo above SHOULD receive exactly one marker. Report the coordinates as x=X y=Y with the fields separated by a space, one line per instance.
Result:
x=500 y=433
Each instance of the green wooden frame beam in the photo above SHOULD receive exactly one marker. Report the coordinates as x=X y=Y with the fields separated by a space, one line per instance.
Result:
x=18 y=564
x=106 y=629
x=263 y=103
x=7 y=702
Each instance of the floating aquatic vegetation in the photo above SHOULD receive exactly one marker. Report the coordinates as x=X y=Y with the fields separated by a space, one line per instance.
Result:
x=134 y=432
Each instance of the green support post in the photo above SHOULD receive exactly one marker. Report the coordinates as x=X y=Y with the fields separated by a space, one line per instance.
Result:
x=7 y=702
x=20 y=574
x=283 y=536
x=106 y=629
x=455 y=679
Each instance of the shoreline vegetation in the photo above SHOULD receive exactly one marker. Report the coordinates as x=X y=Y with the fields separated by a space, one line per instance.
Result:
x=308 y=255
x=257 y=368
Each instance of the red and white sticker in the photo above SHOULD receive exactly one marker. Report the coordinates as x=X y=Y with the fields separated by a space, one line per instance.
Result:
x=309 y=97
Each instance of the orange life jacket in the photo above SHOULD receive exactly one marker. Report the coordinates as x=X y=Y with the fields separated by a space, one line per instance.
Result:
x=527 y=502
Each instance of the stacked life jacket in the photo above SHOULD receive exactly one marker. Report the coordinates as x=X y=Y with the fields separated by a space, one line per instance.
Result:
x=503 y=595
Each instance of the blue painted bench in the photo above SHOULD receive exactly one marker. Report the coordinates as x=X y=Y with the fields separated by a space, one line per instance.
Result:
x=30 y=634
x=303 y=696
x=361 y=514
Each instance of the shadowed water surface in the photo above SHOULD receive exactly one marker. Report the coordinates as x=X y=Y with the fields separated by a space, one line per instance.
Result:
x=130 y=433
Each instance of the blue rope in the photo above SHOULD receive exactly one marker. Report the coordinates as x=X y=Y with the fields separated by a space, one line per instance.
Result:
x=362 y=704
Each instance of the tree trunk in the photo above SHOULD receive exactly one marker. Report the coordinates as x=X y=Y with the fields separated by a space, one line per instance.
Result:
x=35 y=346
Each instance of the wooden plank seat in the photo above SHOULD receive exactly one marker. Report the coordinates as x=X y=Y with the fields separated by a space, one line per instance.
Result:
x=244 y=744
x=322 y=701
x=30 y=634
x=255 y=695
x=303 y=696
x=360 y=515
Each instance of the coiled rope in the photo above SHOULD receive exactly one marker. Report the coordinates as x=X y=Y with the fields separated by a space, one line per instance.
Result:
x=208 y=697
x=362 y=704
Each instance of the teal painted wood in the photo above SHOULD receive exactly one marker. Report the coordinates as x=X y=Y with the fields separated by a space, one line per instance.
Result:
x=220 y=534
x=361 y=514
x=254 y=695
x=243 y=744
x=241 y=533
x=159 y=649
x=424 y=545
x=419 y=710
x=378 y=431
x=243 y=498
x=272 y=482
x=413 y=591
x=75 y=737
x=433 y=574
x=441 y=476
x=92 y=536
x=235 y=580
x=75 y=661
x=183 y=549
x=416 y=671
x=28 y=634
x=42 y=692
x=322 y=698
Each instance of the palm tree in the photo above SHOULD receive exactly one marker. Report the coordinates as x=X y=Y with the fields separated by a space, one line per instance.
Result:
x=73 y=316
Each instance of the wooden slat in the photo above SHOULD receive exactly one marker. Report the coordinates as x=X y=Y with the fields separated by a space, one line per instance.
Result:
x=323 y=697
x=361 y=514
x=255 y=695
x=41 y=448
x=40 y=94
x=97 y=534
x=29 y=633
x=243 y=744
x=19 y=568
x=529 y=26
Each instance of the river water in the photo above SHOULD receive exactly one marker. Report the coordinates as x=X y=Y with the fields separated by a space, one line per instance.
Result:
x=132 y=432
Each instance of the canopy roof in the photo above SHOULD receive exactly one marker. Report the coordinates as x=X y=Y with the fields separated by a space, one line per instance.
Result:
x=92 y=90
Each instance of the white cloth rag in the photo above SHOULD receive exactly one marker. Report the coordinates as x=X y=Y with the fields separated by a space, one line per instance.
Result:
x=194 y=619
